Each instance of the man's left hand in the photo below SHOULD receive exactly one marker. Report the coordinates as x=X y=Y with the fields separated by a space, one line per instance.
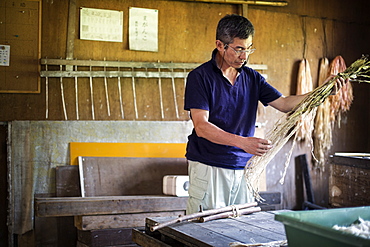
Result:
x=339 y=83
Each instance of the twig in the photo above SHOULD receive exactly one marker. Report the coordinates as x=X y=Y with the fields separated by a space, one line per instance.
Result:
x=201 y=214
x=234 y=214
x=270 y=244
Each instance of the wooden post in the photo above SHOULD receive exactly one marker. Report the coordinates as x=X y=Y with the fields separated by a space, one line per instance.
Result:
x=245 y=10
x=71 y=32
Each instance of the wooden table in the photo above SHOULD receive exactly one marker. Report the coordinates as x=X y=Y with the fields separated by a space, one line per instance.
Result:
x=254 y=228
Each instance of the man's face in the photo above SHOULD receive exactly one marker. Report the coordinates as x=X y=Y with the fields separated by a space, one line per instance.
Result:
x=237 y=53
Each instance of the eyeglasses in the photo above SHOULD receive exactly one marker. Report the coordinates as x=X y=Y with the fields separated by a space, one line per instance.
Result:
x=240 y=52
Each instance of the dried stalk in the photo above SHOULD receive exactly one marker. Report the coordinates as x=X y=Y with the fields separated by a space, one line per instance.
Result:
x=287 y=127
x=202 y=214
x=270 y=244
x=234 y=214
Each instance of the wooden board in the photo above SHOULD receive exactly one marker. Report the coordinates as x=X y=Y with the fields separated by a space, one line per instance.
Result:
x=272 y=201
x=119 y=220
x=67 y=181
x=79 y=244
x=67 y=184
x=71 y=206
x=146 y=150
x=139 y=237
x=118 y=176
x=255 y=228
x=105 y=237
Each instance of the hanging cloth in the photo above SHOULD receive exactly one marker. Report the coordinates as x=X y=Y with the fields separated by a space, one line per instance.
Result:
x=304 y=85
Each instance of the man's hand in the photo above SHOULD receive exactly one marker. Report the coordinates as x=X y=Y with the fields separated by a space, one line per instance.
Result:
x=339 y=83
x=256 y=146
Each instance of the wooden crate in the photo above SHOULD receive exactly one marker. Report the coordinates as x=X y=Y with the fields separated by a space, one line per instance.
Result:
x=106 y=237
x=349 y=181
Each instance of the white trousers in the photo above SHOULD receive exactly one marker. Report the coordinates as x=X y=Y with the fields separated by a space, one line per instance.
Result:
x=213 y=187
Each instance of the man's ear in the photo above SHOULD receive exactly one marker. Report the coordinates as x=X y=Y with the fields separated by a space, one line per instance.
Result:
x=220 y=45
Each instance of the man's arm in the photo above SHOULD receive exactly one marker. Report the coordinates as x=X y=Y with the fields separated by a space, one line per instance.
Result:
x=286 y=104
x=209 y=131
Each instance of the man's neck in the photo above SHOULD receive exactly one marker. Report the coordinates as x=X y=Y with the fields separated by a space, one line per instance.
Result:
x=229 y=72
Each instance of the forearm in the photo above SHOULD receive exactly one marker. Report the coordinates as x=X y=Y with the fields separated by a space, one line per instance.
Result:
x=252 y=145
x=216 y=135
x=293 y=100
x=213 y=133
x=286 y=104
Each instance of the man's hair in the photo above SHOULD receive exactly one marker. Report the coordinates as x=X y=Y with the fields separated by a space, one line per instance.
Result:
x=234 y=26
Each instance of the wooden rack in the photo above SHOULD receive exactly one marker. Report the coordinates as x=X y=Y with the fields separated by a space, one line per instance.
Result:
x=68 y=68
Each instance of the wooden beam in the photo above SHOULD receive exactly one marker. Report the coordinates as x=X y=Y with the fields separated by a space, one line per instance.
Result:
x=72 y=206
x=71 y=32
x=245 y=10
x=113 y=74
x=265 y=3
x=88 y=222
x=171 y=69
x=120 y=64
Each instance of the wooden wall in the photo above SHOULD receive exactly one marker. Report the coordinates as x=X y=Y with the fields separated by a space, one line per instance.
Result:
x=284 y=35
x=183 y=37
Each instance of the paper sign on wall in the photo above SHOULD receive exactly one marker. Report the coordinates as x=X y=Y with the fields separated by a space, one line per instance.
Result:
x=143 y=29
x=101 y=25
x=4 y=55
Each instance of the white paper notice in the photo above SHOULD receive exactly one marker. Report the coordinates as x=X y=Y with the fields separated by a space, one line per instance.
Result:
x=143 y=29
x=101 y=25
x=4 y=55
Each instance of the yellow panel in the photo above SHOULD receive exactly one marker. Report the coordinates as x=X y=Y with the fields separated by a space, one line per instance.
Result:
x=149 y=150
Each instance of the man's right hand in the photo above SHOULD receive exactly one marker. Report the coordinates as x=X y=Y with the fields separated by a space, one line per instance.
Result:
x=256 y=146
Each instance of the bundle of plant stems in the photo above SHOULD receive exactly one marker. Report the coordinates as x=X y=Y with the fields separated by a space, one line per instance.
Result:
x=287 y=126
x=329 y=112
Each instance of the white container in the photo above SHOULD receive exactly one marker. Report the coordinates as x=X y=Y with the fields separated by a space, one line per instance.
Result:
x=176 y=185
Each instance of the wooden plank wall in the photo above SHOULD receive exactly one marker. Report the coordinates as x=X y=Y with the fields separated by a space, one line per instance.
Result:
x=183 y=37
x=186 y=34
x=282 y=33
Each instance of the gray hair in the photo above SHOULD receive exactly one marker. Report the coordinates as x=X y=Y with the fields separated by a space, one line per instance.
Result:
x=233 y=26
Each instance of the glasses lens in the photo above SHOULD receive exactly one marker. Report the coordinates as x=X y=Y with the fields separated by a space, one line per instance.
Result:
x=240 y=52
x=250 y=51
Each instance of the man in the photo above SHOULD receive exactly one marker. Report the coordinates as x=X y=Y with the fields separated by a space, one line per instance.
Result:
x=222 y=96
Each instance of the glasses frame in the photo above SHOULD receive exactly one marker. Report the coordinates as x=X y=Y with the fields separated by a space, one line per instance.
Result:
x=240 y=52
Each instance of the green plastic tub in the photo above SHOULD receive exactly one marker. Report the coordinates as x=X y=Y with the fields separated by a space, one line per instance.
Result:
x=314 y=228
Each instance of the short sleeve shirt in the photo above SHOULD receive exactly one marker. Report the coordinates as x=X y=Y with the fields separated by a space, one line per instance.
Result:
x=232 y=108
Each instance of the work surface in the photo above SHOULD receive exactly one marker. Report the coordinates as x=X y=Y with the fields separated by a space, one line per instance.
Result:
x=247 y=229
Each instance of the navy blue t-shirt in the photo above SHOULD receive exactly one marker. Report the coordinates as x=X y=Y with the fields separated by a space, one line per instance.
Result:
x=232 y=108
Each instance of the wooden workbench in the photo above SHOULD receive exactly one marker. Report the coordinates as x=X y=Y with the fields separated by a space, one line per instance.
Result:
x=254 y=228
